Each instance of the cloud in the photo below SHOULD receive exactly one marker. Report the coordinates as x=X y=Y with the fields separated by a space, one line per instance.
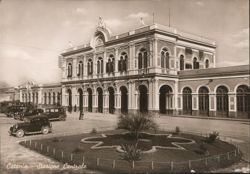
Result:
x=200 y=3
x=16 y=54
x=113 y=23
x=241 y=38
x=138 y=15
x=81 y=11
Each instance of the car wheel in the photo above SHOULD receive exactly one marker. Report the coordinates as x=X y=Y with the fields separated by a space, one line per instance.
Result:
x=45 y=130
x=20 y=133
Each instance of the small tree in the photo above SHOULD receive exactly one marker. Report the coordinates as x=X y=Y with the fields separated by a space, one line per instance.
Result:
x=136 y=124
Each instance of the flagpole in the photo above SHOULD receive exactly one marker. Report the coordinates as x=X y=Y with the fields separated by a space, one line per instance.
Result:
x=169 y=17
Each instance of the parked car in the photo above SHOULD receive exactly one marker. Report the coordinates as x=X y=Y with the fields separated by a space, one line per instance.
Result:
x=55 y=113
x=31 y=125
x=27 y=113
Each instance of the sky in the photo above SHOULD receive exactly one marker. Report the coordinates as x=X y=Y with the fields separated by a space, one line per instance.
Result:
x=33 y=33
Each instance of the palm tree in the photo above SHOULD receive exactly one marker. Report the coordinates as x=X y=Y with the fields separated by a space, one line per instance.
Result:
x=136 y=124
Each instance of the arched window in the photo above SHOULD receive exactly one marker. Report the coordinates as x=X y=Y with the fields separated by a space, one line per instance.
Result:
x=164 y=58
x=243 y=99
x=122 y=63
x=196 y=63
x=222 y=100
x=69 y=70
x=80 y=69
x=90 y=67
x=181 y=62
x=207 y=64
x=142 y=59
x=100 y=65
x=110 y=64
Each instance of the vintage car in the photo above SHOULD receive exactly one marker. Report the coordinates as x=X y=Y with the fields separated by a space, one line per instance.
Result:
x=55 y=113
x=31 y=125
x=28 y=113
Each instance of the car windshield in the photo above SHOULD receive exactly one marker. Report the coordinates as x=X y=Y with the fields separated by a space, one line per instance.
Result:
x=26 y=120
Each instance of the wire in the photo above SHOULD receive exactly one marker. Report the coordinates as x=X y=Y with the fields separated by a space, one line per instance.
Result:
x=20 y=45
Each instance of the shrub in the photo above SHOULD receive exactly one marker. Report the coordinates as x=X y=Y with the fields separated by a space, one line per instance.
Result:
x=212 y=137
x=136 y=123
x=56 y=139
x=93 y=131
x=131 y=153
x=202 y=150
x=78 y=149
x=177 y=130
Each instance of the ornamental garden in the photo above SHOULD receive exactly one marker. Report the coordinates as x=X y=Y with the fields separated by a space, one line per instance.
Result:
x=138 y=145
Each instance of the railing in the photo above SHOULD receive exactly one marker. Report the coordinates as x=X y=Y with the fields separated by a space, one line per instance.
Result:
x=79 y=159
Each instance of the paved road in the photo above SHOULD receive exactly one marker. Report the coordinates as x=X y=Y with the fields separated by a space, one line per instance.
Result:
x=13 y=153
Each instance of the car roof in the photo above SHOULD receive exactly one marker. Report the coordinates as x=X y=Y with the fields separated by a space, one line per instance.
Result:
x=37 y=116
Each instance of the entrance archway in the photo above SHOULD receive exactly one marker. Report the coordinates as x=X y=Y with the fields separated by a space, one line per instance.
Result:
x=143 y=99
x=111 y=100
x=124 y=100
x=203 y=101
x=222 y=101
x=100 y=99
x=89 y=100
x=243 y=101
x=69 y=99
x=165 y=100
x=187 y=101
x=80 y=92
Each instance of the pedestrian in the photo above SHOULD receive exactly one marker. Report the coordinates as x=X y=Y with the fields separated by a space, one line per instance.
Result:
x=81 y=115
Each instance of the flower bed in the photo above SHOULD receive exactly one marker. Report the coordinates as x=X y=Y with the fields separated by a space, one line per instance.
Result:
x=70 y=149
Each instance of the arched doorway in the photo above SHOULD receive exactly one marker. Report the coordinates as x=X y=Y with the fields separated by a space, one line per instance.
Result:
x=187 y=101
x=124 y=100
x=58 y=98
x=69 y=100
x=111 y=100
x=203 y=101
x=54 y=98
x=80 y=92
x=45 y=98
x=89 y=100
x=49 y=98
x=222 y=101
x=243 y=101
x=143 y=99
x=100 y=99
x=165 y=100
x=36 y=97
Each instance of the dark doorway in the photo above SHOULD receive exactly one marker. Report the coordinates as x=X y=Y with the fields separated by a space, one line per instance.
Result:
x=203 y=101
x=143 y=94
x=165 y=100
x=243 y=101
x=80 y=92
x=111 y=100
x=100 y=99
x=187 y=101
x=222 y=101
x=89 y=100
x=124 y=100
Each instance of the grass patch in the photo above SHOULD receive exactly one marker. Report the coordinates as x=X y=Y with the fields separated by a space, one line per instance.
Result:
x=162 y=157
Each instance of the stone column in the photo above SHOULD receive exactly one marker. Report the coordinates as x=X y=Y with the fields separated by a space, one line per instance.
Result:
x=212 y=104
x=116 y=61
x=232 y=106
x=195 y=103
x=40 y=95
x=106 y=101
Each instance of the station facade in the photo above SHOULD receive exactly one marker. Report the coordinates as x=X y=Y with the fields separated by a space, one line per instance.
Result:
x=154 y=69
